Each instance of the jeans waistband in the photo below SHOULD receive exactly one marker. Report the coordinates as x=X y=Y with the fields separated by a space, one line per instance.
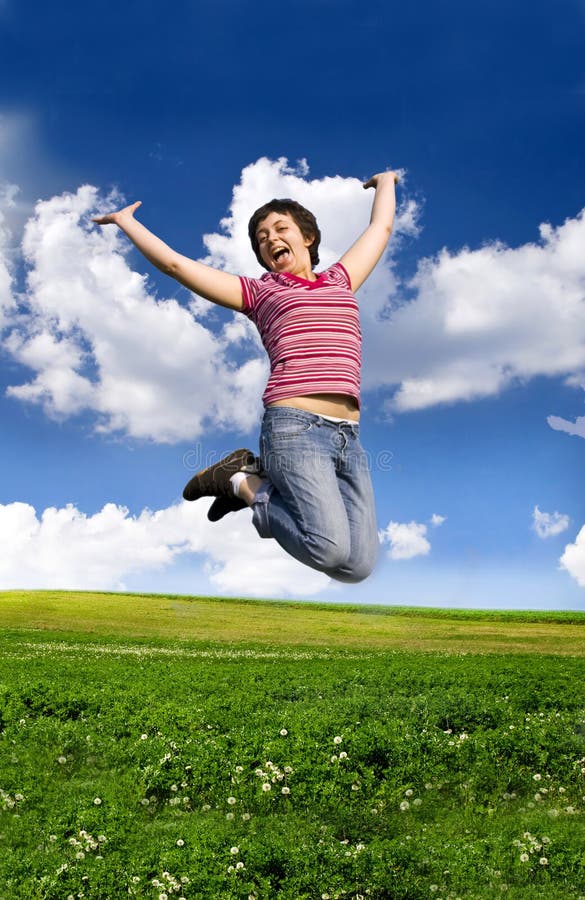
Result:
x=315 y=418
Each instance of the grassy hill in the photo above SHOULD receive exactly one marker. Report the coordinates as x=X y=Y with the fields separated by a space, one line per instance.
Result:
x=207 y=619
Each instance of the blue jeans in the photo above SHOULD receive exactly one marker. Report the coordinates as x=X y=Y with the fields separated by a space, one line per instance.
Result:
x=318 y=502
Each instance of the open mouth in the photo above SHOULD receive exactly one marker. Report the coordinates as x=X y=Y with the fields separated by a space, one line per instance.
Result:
x=279 y=254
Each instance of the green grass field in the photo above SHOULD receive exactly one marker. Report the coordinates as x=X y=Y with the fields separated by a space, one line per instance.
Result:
x=167 y=747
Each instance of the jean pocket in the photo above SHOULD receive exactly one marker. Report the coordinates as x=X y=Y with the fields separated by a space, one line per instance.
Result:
x=288 y=427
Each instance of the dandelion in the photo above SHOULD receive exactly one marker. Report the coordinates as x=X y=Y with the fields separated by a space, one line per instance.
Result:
x=537 y=777
x=434 y=888
x=102 y=838
x=163 y=897
x=333 y=758
x=206 y=807
x=61 y=760
x=246 y=817
x=231 y=801
x=145 y=801
x=543 y=861
x=337 y=739
x=266 y=787
x=343 y=755
x=524 y=857
x=80 y=855
x=239 y=769
x=135 y=879
x=230 y=816
x=234 y=851
x=143 y=737
x=288 y=770
x=355 y=787
x=174 y=787
x=285 y=790
x=52 y=838
x=240 y=865
x=404 y=805
x=417 y=802
x=409 y=793
x=538 y=797
x=283 y=732
x=97 y=801
x=180 y=842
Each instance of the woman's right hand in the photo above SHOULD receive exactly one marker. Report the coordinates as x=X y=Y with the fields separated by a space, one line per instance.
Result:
x=114 y=218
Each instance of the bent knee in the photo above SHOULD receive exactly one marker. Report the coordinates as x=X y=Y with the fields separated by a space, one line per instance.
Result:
x=355 y=570
x=326 y=554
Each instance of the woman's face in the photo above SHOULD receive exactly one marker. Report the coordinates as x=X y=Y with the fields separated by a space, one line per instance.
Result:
x=282 y=244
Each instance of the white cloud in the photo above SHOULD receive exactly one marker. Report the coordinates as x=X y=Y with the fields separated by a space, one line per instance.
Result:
x=483 y=319
x=469 y=324
x=406 y=540
x=475 y=321
x=98 y=340
x=437 y=520
x=573 y=559
x=549 y=524
x=67 y=549
x=577 y=427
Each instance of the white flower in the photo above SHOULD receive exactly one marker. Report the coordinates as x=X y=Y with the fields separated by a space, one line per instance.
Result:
x=524 y=857
x=135 y=879
x=246 y=817
x=231 y=800
x=537 y=777
x=143 y=737
x=333 y=758
x=180 y=842
x=337 y=739
x=434 y=888
x=343 y=755
x=61 y=760
x=355 y=787
x=80 y=855
x=206 y=807
x=97 y=801
x=409 y=793
x=18 y=797
x=145 y=801
x=283 y=732
x=285 y=790
x=230 y=816
x=404 y=805
x=417 y=802
x=234 y=851
x=288 y=770
x=240 y=865
x=543 y=861
x=239 y=769
x=266 y=787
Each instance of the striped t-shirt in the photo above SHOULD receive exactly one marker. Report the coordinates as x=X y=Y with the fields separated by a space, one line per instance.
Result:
x=310 y=330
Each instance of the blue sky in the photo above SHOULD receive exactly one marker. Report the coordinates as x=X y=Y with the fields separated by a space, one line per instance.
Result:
x=114 y=380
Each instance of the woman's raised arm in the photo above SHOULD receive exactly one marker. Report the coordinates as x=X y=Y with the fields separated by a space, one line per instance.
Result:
x=362 y=256
x=219 y=287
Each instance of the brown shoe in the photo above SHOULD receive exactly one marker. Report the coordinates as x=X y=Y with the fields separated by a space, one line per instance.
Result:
x=221 y=506
x=215 y=480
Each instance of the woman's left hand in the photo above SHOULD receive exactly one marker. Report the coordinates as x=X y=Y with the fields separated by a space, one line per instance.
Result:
x=376 y=180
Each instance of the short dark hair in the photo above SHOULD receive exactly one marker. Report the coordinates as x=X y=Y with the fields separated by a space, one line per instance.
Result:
x=303 y=217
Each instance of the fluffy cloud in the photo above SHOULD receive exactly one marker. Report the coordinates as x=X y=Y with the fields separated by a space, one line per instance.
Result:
x=67 y=549
x=549 y=524
x=482 y=319
x=474 y=322
x=468 y=324
x=98 y=340
x=573 y=559
x=406 y=540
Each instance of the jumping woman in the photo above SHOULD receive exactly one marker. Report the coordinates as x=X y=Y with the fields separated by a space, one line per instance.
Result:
x=310 y=489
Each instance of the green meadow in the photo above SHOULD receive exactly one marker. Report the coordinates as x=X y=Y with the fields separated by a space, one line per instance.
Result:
x=167 y=747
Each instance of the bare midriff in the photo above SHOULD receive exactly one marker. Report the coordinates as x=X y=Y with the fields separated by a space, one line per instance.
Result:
x=340 y=406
